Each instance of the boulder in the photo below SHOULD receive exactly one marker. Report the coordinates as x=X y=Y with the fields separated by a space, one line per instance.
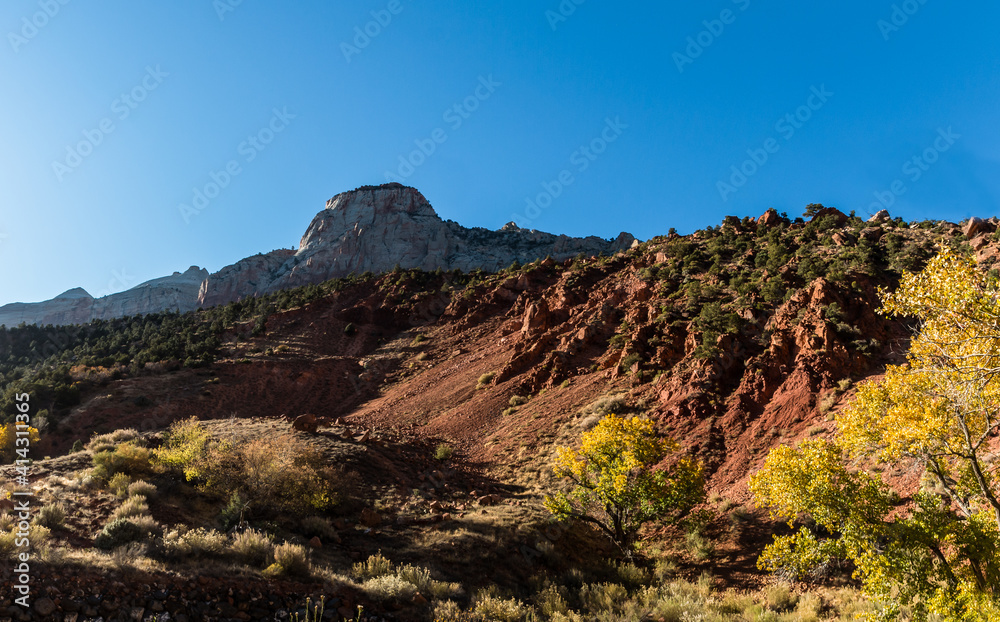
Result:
x=305 y=423
x=880 y=216
x=770 y=218
x=977 y=226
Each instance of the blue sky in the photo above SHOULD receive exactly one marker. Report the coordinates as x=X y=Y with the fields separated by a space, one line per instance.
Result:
x=585 y=119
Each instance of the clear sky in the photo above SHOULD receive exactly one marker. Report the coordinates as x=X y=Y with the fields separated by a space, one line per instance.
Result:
x=607 y=116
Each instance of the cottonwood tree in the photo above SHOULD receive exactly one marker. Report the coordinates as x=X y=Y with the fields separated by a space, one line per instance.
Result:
x=616 y=486
x=935 y=552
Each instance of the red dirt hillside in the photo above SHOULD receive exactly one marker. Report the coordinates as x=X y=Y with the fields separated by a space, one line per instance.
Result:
x=734 y=339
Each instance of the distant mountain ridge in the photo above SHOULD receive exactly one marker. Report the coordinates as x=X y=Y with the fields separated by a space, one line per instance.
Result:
x=178 y=291
x=369 y=229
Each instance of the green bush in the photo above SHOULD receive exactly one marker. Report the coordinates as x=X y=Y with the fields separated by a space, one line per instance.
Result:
x=119 y=532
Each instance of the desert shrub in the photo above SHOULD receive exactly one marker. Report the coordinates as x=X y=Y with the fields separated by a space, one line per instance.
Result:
x=291 y=560
x=133 y=506
x=125 y=558
x=389 y=588
x=252 y=547
x=109 y=441
x=739 y=515
x=425 y=584
x=141 y=488
x=375 y=566
x=517 y=400
x=603 y=597
x=611 y=404
x=631 y=575
x=630 y=360
x=194 y=543
x=450 y=611
x=665 y=569
x=119 y=483
x=38 y=535
x=124 y=458
x=318 y=526
x=443 y=452
x=272 y=474
x=551 y=601
x=51 y=515
x=184 y=447
x=485 y=379
x=119 y=532
x=808 y=608
x=146 y=523
x=700 y=547
x=779 y=597
x=77 y=446
x=232 y=515
x=501 y=609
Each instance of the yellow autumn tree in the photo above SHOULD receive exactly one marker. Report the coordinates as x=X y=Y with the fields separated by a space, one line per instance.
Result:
x=8 y=440
x=938 y=551
x=616 y=485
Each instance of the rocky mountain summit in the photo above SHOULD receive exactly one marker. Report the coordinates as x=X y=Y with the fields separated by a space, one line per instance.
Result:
x=370 y=229
x=374 y=229
x=178 y=291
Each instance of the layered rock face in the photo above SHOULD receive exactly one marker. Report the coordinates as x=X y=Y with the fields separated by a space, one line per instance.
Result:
x=373 y=229
x=76 y=306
